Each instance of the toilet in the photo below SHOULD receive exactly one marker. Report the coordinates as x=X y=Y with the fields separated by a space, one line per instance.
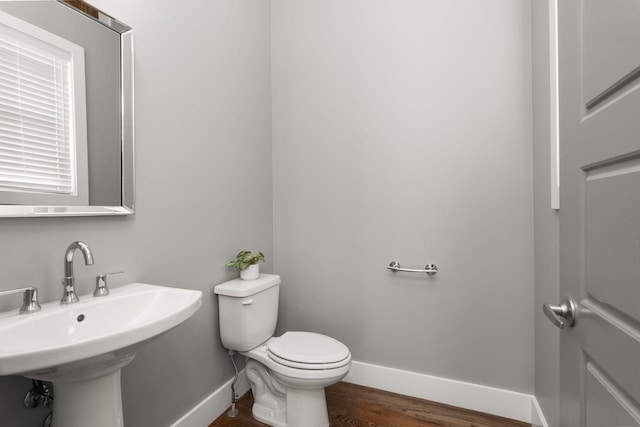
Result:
x=288 y=373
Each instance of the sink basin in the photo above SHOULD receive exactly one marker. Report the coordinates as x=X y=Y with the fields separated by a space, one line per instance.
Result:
x=60 y=334
x=82 y=347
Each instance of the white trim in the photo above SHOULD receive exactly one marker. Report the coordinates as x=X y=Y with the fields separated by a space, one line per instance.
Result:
x=495 y=401
x=554 y=119
x=213 y=405
x=537 y=416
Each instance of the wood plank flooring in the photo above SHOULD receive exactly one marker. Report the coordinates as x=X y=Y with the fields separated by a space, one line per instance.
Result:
x=352 y=405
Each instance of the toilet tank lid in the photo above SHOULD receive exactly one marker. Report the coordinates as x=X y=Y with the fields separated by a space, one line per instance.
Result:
x=243 y=288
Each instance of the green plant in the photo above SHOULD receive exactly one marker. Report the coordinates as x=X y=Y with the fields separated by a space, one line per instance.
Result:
x=244 y=259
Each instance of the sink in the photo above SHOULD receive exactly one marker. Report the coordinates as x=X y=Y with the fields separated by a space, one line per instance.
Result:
x=82 y=347
x=61 y=334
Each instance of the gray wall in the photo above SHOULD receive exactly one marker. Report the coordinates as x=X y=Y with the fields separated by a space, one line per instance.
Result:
x=546 y=222
x=402 y=130
x=203 y=126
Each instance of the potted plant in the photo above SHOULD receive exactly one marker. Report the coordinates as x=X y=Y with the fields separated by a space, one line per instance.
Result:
x=247 y=263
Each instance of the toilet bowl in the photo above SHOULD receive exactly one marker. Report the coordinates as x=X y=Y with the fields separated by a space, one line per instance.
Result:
x=287 y=374
x=290 y=391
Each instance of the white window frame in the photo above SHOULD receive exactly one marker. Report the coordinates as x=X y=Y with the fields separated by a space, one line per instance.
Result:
x=78 y=126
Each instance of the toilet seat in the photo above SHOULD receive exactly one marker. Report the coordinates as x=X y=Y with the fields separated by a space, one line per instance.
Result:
x=308 y=350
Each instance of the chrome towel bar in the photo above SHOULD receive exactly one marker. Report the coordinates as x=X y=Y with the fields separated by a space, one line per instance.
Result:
x=430 y=269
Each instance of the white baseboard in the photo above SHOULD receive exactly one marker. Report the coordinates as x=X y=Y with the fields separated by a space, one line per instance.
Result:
x=213 y=405
x=537 y=416
x=495 y=401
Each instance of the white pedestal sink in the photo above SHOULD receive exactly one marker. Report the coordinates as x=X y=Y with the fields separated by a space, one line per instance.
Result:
x=82 y=347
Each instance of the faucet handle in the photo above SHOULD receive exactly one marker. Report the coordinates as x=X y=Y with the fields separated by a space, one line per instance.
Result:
x=30 y=299
x=30 y=302
x=101 y=284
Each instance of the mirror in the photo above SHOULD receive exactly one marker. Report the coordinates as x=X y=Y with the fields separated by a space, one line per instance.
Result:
x=108 y=61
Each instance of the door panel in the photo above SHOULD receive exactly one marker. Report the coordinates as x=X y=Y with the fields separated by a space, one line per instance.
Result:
x=612 y=238
x=609 y=29
x=600 y=214
x=606 y=404
x=611 y=342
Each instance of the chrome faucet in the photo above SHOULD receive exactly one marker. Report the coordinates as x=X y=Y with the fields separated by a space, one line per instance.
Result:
x=68 y=282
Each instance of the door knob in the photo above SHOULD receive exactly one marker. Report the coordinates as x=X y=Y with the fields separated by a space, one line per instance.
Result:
x=563 y=314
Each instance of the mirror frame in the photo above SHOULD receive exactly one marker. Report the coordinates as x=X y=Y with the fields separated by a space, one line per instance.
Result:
x=127 y=190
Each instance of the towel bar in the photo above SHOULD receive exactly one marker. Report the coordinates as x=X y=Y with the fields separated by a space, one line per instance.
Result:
x=430 y=269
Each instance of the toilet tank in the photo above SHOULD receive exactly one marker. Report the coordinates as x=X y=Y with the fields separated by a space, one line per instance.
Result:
x=247 y=311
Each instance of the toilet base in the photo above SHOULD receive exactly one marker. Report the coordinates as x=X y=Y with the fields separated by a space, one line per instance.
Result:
x=309 y=410
x=269 y=416
x=280 y=405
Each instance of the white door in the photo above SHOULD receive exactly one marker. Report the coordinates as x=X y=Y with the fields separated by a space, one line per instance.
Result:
x=599 y=48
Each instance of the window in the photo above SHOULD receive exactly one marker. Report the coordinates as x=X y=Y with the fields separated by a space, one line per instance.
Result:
x=43 y=147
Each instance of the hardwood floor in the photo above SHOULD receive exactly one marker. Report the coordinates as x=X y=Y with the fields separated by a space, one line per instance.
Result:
x=352 y=405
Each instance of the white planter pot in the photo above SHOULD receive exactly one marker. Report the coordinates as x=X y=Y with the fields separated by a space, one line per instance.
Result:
x=250 y=273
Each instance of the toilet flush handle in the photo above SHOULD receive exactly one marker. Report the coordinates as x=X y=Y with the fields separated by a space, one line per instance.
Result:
x=247 y=302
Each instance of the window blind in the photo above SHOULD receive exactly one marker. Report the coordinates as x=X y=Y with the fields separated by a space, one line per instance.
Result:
x=36 y=144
